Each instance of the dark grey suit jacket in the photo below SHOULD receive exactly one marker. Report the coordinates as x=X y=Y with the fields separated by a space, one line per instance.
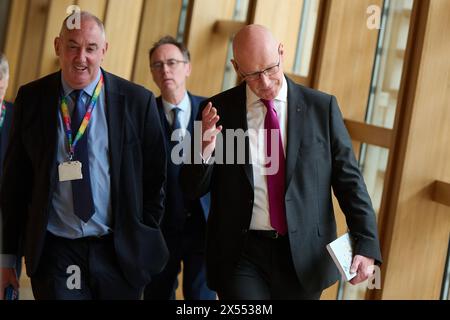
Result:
x=137 y=169
x=319 y=158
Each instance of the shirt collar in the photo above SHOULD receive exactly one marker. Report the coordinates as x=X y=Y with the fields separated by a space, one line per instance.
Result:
x=89 y=89
x=183 y=105
x=282 y=94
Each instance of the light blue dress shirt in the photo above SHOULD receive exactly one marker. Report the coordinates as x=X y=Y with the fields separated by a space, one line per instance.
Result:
x=62 y=220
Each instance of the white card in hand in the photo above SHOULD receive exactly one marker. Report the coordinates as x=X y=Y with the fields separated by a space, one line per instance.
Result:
x=70 y=170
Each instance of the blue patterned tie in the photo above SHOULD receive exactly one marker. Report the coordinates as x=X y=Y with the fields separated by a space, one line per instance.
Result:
x=83 y=204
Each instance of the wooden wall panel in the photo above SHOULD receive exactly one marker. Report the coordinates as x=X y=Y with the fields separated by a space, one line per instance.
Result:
x=208 y=49
x=421 y=226
x=13 y=43
x=96 y=7
x=348 y=53
x=283 y=19
x=160 y=18
x=122 y=20
x=56 y=15
x=32 y=42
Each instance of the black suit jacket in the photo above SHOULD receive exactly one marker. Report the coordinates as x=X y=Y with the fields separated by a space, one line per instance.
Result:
x=176 y=202
x=137 y=169
x=319 y=158
x=4 y=134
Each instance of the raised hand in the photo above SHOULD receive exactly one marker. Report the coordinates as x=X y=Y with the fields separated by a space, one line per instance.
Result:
x=209 y=130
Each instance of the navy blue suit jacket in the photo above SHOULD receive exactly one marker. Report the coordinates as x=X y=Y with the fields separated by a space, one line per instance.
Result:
x=176 y=203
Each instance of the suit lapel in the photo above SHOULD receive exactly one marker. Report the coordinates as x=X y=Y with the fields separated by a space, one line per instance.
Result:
x=162 y=115
x=194 y=112
x=240 y=109
x=115 y=109
x=49 y=121
x=296 y=117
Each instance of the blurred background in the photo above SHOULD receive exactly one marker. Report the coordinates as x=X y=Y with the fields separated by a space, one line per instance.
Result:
x=387 y=62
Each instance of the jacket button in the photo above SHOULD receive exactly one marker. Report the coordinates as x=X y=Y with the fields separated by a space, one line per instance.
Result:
x=244 y=231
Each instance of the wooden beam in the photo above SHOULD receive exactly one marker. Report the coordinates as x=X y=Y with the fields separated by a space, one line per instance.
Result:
x=228 y=27
x=370 y=134
x=441 y=192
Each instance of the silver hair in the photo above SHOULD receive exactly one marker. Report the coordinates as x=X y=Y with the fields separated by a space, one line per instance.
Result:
x=4 y=67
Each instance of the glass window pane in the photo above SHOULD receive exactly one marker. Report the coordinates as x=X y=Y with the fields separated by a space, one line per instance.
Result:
x=389 y=62
x=230 y=77
x=306 y=35
x=373 y=164
x=182 y=20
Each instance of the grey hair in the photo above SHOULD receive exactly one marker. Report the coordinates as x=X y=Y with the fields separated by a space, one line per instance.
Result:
x=4 y=67
x=173 y=41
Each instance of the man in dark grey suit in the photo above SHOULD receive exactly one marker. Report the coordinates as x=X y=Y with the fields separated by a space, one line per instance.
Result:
x=272 y=215
x=85 y=203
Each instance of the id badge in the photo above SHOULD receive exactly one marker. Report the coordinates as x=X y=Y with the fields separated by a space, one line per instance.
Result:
x=70 y=170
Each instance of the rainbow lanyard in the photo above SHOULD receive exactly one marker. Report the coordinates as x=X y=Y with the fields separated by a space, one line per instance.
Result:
x=84 y=123
x=3 y=113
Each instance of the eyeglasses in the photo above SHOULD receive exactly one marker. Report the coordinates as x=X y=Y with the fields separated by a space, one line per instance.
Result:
x=267 y=72
x=171 y=63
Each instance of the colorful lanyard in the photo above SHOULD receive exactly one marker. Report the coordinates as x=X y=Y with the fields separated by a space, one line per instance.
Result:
x=84 y=123
x=3 y=113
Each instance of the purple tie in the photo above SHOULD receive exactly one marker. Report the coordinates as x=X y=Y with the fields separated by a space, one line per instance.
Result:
x=275 y=181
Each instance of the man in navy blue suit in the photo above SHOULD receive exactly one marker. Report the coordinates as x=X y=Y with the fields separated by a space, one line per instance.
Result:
x=184 y=220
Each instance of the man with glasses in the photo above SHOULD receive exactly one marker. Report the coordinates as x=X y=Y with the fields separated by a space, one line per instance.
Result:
x=272 y=217
x=184 y=220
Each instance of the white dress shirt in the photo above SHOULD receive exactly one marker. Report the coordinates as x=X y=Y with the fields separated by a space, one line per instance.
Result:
x=184 y=114
x=256 y=112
